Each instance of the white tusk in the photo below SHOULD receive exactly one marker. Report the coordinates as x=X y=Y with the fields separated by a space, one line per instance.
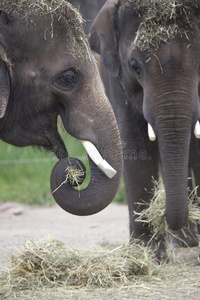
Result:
x=197 y=130
x=98 y=159
x=151 y=133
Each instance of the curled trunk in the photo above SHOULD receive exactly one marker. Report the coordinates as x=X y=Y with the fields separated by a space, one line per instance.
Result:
x=98 y=194
x=101 y=189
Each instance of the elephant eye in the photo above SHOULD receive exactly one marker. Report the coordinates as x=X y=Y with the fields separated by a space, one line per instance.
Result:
x=136 y=67
x=67 y=80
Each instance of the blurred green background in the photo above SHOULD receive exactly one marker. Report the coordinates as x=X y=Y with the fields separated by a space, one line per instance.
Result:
x=25 y=173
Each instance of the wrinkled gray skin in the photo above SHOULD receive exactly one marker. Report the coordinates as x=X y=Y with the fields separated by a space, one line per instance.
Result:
x=88 y=9
x=160 y=89
x=49 y=79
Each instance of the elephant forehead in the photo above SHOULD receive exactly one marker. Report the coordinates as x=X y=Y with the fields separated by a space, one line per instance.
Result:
x=52 y=25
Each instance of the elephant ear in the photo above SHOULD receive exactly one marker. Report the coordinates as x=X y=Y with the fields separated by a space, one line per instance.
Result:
x=4 y=88
x=103 y=36
x=5 y=68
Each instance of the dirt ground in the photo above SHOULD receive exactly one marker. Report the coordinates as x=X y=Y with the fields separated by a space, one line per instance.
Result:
x=18 y=222
x=180 y=279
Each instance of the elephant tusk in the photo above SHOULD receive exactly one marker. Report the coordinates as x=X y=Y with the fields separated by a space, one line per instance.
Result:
x=151 y=133
x=101 y=163
x=197 y=130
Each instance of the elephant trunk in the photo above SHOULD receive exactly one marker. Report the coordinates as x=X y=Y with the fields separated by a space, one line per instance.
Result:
x=173 y=140
x=100 y=191
x=105 y=158
x=173 y=116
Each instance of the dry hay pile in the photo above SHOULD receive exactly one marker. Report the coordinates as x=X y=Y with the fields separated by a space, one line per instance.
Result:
x=161 y=20
x=49 y=263
x=155 y=212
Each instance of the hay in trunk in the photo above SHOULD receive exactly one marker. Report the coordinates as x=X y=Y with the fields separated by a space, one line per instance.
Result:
x=155 y=212
x=73 y=176
x=50 y=263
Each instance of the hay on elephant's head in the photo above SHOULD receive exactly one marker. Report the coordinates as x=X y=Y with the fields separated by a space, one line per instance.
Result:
x=154 y=213
x=25 y=8
x=161 y=20
x=49 y=263
x=59 y=10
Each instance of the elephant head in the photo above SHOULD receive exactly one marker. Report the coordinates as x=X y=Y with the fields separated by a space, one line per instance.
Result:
x=152 y=52
x=47 y=70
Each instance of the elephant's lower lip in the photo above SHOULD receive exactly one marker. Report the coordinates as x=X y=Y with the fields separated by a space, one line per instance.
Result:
x=96 y=157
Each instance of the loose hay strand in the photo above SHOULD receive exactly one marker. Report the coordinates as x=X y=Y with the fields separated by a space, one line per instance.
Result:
x=50 y=263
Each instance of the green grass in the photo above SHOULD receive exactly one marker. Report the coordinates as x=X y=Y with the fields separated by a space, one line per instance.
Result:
x=25 y=172
x=24 y=175
x=120 y=198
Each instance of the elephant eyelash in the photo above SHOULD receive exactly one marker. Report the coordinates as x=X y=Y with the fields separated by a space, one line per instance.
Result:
x=67 y=81
x=136 y=67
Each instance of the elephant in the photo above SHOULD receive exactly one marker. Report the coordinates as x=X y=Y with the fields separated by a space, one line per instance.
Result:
x=150 y=64
x=88 y=10
x=47 y=71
